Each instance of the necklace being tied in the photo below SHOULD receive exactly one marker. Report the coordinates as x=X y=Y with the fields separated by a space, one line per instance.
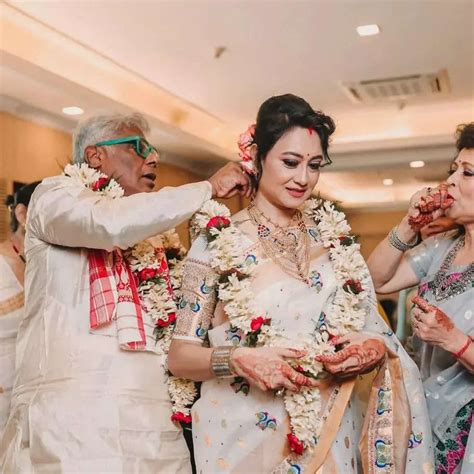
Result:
x=289 y=250
x=444 y=286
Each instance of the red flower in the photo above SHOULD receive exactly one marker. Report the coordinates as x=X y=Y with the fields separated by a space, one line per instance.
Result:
x=180 y=416
x=257 y=323
x=246 y=138
x=218 y=222
x=346 y=240
x=296 y=445
x=100 y=184
x=354 y=286
x=147 y=274
x=163 y=266
x=161 y=323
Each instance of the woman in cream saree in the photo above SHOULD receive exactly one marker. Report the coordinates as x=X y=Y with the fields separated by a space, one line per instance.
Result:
x=276 y=396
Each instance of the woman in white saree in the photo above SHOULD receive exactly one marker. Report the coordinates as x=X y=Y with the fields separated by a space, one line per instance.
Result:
x=12 y=269
x=278 y=318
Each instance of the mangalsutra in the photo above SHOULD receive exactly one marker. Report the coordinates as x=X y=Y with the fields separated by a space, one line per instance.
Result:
x=444 y=286
x=289 y=250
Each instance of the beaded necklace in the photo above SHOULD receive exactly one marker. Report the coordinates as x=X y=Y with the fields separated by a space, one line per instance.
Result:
x=443 y=285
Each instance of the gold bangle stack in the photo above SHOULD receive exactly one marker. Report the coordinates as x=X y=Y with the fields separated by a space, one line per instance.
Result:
x=220 y=361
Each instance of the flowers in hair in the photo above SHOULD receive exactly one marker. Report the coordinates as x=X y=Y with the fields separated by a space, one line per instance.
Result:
x=245 y=143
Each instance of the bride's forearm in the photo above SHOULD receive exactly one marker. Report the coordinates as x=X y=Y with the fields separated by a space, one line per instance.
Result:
x=190 y=361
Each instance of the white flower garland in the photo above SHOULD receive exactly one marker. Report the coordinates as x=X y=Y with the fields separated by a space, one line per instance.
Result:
x=161 y=306
x=86 y=176
x=155 y=297
x=344 y=314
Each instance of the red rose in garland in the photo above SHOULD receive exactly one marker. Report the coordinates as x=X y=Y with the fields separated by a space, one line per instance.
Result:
x=147 y=274
x=100 y=184
x=218 y=222
x=295 y=444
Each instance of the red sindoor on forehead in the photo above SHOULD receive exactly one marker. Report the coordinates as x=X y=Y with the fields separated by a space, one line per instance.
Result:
x=310 y=131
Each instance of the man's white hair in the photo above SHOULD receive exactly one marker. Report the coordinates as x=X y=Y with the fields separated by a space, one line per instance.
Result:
x=101 y=128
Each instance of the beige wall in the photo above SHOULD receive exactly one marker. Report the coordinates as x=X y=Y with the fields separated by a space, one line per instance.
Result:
x=29 y=152
x=372 y=227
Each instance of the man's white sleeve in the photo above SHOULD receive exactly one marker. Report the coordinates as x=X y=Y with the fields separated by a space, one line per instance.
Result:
x=67 y=214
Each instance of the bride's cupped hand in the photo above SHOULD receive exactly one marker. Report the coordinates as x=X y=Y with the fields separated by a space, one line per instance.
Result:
x=360 y=354
x=268 y=369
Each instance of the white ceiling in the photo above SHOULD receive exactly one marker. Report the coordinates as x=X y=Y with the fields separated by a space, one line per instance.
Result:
x=304 y=47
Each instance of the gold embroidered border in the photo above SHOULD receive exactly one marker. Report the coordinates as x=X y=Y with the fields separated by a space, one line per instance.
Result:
x=12 y=304
x=196 y=274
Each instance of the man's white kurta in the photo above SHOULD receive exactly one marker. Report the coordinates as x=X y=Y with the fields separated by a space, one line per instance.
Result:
x=80 y=404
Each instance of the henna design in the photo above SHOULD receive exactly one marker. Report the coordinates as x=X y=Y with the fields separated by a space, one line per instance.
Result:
x=441 y=318
x=355 y=358
x=422 y=304
x=269 y=373
x=428 y=204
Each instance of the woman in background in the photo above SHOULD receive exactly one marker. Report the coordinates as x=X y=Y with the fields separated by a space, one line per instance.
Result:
x=443 y=320
x=12 y=269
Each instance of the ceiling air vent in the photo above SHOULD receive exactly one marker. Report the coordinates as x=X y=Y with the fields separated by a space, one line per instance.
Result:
x=398 y=89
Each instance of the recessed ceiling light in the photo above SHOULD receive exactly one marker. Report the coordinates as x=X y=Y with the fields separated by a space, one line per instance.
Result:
x=387 y=182
x=368 y=30
x=73 y=110
x=417 y=164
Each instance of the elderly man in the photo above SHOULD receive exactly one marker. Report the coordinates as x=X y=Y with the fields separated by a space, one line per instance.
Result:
x=91 y=392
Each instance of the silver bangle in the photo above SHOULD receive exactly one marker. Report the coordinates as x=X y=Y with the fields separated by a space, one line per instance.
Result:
x=395 y=241
x=220 y=361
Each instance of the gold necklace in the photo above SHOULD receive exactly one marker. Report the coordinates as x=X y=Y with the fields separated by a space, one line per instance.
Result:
x=289 y=251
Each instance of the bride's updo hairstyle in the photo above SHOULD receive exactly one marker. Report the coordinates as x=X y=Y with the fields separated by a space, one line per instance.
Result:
x=279 y=114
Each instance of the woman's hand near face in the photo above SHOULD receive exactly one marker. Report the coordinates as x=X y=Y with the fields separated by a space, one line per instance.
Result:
x=361 y=354
x=427 y=205
x=267 y=368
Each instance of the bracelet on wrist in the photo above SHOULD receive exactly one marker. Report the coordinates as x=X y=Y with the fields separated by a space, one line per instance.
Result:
x=395 y=241
x=463 y=349
x=221 y=361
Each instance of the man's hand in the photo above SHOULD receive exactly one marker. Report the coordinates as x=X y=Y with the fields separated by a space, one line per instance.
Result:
x=362 y=354
x=229 y=181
